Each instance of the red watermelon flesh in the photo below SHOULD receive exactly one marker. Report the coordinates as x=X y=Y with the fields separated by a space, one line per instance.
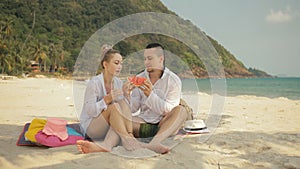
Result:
x=136 y=80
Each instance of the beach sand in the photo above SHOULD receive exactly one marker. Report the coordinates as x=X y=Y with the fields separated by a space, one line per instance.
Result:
x=254 y=132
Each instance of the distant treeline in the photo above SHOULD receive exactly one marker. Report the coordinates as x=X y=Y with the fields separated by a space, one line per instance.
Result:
x=50 y=35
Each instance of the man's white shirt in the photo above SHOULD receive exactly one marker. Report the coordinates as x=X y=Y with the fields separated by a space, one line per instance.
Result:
x=165 y=95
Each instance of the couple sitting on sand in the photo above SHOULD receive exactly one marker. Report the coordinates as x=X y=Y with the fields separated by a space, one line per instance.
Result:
x=109 y=104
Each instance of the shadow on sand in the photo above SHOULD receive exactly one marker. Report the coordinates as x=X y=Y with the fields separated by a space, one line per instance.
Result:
x=233 y=149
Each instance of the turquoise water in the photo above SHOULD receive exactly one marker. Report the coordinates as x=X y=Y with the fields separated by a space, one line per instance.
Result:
x=266 y=87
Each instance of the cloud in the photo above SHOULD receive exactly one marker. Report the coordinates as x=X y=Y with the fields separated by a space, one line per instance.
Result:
x=280 y=16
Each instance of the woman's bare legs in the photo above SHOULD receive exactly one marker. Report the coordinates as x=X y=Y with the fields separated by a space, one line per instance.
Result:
x=98 y=130
x=111 y=140
x=121 y=122
x=120 y=119
x=99 y=125
x=126 y=113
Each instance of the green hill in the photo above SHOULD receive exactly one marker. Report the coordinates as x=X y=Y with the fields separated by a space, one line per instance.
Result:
x=52 y=33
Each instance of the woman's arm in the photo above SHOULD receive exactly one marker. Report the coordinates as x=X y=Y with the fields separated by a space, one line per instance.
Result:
x=94 y=100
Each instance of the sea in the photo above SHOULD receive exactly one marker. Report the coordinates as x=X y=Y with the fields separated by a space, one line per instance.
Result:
x=264 y=87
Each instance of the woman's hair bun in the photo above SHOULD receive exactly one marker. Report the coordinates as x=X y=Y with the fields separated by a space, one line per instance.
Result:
x=105 y=48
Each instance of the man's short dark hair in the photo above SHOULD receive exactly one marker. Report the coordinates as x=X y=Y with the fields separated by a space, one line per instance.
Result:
x=154 y=45
x=158 y=46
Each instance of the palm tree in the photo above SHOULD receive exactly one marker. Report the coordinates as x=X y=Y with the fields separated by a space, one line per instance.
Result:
x=4 y=59
x=56 y=55
x=44 y=59
x=19 y=62
x=60 y=55
x=53 y=56
x=37 y=50
x=40 y=56
x=1 y=31
x=7 y=29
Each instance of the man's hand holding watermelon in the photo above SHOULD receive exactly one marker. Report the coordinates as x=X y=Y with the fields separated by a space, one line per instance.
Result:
x=136 y=80
x=140 y=82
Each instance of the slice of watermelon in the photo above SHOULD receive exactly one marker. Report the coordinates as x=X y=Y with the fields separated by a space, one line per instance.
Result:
x=136 y=80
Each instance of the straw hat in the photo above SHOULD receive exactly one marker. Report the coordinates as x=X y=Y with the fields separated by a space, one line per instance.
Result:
x=194 y=125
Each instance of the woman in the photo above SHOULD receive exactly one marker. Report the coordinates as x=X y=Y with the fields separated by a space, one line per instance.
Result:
x=101 y=115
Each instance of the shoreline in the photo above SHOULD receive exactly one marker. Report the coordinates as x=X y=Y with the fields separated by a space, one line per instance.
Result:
x=40 y=76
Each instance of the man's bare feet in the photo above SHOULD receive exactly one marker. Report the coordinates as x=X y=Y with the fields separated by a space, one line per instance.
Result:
x=85 y=147
x=158 y=148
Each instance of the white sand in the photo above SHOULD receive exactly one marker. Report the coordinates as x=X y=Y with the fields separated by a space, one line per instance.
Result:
x=255 y=132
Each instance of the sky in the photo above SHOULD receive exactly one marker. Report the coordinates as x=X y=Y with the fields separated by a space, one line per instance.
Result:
x=263 y=34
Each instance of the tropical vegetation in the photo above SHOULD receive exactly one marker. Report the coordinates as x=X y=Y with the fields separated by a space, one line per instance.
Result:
x=47 y=36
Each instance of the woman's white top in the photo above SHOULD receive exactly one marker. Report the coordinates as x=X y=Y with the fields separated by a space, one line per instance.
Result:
x=94 y=103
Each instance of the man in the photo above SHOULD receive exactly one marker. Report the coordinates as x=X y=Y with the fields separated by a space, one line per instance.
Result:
x=158 y=101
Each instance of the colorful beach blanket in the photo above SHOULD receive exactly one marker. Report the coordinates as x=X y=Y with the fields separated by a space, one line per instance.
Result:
x=171 y=142
x=73 y=131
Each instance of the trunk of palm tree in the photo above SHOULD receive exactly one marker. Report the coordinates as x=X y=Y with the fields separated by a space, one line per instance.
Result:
x=44 y=58
x=3 y=69
x=45 y=66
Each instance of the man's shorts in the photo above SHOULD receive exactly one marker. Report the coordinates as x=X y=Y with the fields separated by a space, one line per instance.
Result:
x=148 y=130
